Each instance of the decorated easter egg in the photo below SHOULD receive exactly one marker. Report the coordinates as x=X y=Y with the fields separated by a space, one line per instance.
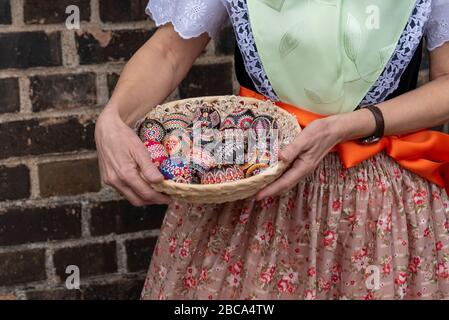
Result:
x=255 y=169
x=240 y=118
x=157 y=152
x=262 y=126
x=175 y=121
x=151 y=130
x=176 y=170
x=178 y=143
x=222 y=174
x=233 y=145
x=202 y=160
x=205 y=138
x=205 y=116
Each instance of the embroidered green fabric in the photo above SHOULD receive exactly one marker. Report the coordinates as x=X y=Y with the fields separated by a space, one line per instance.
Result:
x=325 y=55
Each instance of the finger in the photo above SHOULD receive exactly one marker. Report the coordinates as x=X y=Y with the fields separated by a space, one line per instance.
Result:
x=291 y=152
x=287 y=181
x=132 y=179
x=149 y=171
x=130 y=195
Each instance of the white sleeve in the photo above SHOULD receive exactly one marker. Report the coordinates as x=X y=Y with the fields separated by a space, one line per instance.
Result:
x=438 y=25
x=190 y=18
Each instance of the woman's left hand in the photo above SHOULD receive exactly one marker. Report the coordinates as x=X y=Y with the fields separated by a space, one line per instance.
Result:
x=305 y=153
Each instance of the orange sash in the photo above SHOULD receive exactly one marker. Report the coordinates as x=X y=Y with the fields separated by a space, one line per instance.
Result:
x=425 y=153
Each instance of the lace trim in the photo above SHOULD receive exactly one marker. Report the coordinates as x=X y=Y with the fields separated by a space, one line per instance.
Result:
x=238 y=12
x=190 y=18
x=389 y=81
x=438 y=26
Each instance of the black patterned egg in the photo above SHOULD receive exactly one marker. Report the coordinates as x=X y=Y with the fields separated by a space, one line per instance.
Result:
x=241 y=118
x=206 y=116
x=151 y=129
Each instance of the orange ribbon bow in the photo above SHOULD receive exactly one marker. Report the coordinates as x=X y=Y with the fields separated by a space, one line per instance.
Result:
x=425 y=153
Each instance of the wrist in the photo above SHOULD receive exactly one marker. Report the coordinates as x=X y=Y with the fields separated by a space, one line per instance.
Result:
x=114 y=112
x=336 y=127
x=353 y=125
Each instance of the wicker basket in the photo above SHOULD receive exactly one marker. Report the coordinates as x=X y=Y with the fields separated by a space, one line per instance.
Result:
x=235 y=190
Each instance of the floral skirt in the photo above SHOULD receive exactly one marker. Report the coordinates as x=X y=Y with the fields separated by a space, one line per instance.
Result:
x=375 y=231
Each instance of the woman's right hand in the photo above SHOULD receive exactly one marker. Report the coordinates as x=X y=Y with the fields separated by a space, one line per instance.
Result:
x=124 y=161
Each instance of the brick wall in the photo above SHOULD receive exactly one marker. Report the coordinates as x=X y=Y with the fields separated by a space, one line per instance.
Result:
x=54 y=210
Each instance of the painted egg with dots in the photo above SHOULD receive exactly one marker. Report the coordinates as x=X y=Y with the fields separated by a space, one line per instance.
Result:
x=222 y=174
x=151 y=129
x=157 y=152
x=176 y=170
x=206 y=116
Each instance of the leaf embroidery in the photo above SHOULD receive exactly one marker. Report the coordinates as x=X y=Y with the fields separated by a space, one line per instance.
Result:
x=352 y=38
x=289 y=41
x=313 y=96
x=385 y=53
x=274 y=4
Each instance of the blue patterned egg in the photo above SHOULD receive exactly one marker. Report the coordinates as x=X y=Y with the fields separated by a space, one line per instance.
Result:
x=176 y=170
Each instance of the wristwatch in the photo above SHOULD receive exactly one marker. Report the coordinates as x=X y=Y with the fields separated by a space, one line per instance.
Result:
x=380 y=125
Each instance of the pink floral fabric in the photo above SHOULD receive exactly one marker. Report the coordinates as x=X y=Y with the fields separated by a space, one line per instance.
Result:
x=325 y=239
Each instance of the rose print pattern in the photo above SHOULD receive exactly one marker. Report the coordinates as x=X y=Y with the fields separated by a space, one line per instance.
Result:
x=316 y=241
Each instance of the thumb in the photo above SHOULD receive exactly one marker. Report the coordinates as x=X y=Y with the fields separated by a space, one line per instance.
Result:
x=147 y=168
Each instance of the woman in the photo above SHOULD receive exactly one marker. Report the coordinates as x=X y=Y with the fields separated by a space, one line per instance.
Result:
x=366 y=222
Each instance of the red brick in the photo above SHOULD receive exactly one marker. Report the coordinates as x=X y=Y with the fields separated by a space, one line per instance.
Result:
x=65 y=178
x=30 y=49
x=120 y=47
x=92 y=259
x=44 y=12
x=121 y=217
x=123 y=10
x=9 y=95
x=63 y=91
x=22 y=266
x=35 y=137
x=40 y=224
x=14 y=182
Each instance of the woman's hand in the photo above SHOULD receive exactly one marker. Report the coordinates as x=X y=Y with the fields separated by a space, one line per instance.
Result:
x=305 y=153
x=124 y=161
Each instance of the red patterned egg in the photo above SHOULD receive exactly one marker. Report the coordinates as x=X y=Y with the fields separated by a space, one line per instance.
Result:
x=222 y=174
x=157 y=152
x=178 y=143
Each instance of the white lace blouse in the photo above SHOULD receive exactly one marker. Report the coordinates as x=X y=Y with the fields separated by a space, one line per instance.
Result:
x=191 y=18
